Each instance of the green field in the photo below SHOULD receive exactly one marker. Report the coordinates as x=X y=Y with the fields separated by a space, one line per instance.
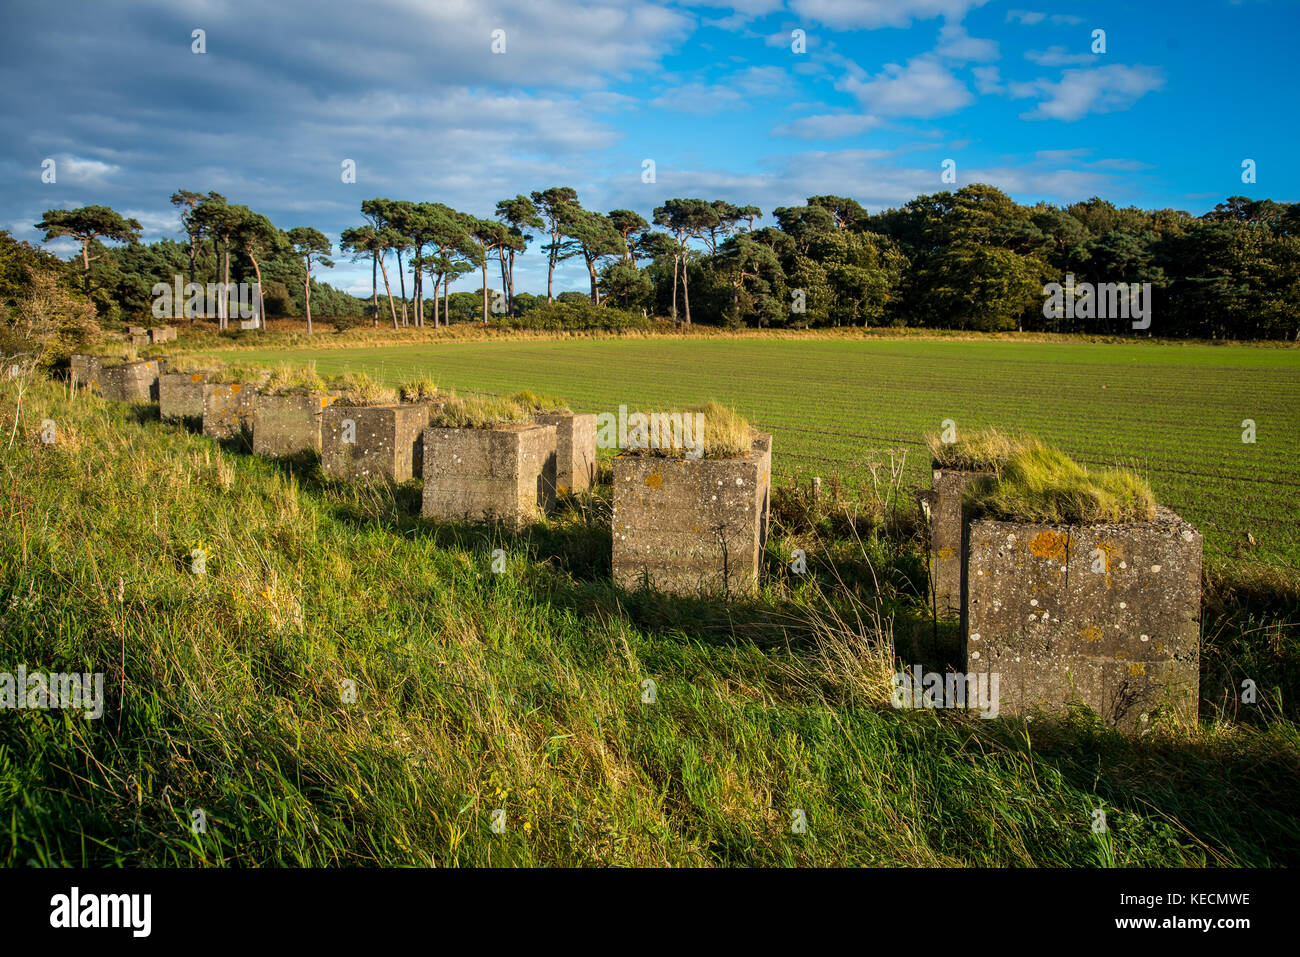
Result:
x=1172 y=411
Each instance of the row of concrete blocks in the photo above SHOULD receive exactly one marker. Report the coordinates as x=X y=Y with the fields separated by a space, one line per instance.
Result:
x=141 y=336
x=1103 y=615
x=680 y=526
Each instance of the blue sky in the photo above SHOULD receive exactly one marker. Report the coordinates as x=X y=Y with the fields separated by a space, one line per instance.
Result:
x=585 y=92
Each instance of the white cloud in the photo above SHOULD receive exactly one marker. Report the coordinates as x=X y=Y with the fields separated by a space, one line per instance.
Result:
x=924 y=88
x=1030 y=18
x=156 y=224
x=1080 y=92
x=734 y=92
x=1060 y=56
x=956 y=44
x=872 y=14
x=988 y=80
x=828 y=126
x=81 y=171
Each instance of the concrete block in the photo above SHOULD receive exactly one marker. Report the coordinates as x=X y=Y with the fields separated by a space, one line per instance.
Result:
x=944 y=500
x=286 y=425
x=129 y=381
x=575 y=450
x=374 y=441
x=1106 y=615
x=163 y=334
x=505 y=474
x=690 y=526
x=180 y=396
x=228 y=409
x=85 y=371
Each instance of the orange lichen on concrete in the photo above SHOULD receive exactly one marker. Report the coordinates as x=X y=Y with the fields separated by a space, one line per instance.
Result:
x=1050 y=545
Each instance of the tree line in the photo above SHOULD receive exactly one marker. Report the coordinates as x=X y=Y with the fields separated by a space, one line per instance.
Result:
x=967 y=259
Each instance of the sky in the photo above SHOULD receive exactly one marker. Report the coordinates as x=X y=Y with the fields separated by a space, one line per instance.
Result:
x=761 y=102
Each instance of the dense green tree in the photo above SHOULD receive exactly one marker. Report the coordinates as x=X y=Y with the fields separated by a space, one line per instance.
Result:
x=85 y=224
x=593 y=237
x=552 y=205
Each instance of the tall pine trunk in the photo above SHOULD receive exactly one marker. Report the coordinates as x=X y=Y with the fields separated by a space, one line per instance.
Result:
x=676 y=257
x=401 y=278
x=374 y=287
x=501 y=255
x=225 y=284
x=388 y=290
x=686 y=290
x=306 y=295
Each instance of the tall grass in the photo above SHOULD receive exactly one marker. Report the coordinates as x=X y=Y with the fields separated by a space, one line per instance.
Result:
x=723 y=432
x=1040 y=484
x=522 y=692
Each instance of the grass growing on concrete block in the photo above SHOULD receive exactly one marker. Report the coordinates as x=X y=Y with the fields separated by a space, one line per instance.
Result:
x=480 y=412
x=237 y=372
x=1041 y=484
x=189 y=363
x=726 y=433
x=979 y=450
x=288 y=379
x=358 y=388
x=540 y=403
x=421 y=389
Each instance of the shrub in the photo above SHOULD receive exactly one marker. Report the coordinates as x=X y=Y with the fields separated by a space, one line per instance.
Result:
x=48 y=321
x=575 y=314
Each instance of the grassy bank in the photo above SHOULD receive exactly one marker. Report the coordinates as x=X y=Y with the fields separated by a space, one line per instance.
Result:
x=522 y=691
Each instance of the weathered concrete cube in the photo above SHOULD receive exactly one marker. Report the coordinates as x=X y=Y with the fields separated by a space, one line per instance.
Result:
x=504 y=474
x=163 y=334
x=228 y=409
x=575 y=449
x=137 y=330
x=129 y=381
x=690 y=526
x=180 y=396
x=1106 y=615
x=85 y=371
x=286 y=425
x=944 y=501
x=368 y=442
